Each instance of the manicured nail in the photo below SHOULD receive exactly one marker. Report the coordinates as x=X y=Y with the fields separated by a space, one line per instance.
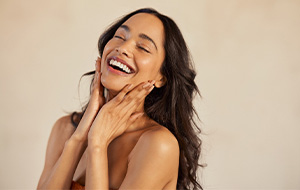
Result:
x=152 y=87
x=146 y=85
x=152 y=82
x=130 y=86
x=140 y=114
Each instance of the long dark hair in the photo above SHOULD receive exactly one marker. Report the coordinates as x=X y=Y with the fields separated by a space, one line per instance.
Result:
x=170 y=105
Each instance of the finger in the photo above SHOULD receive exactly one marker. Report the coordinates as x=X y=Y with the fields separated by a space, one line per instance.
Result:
x=140 y=89
x=135 y=97
x=133 y=105
x=96 y=86
x=98 y=64
x=118 y=98
x=131 y=118
x=135 y=116
x=97 y=69
x=99 y=84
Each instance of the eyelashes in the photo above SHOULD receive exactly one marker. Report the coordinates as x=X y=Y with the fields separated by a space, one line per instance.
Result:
x=119 y=37
x=138 y=46
x=143 y=49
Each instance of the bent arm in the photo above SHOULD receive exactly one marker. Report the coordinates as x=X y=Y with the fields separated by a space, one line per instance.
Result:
x=62 y=157
x=67 y=145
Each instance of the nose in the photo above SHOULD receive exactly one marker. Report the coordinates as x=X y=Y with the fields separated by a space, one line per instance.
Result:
x=125 y=49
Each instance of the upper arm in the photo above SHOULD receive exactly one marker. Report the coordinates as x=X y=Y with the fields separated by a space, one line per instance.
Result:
x=154 y=161
x=60 y=133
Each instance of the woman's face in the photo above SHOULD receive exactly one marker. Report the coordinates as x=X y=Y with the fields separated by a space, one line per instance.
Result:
x=135 y=53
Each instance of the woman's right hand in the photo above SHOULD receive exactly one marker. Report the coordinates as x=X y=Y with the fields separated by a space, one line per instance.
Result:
x=97 y=100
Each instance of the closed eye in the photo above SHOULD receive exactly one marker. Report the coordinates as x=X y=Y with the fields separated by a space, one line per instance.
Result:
x=119 y=37
x=143 y=49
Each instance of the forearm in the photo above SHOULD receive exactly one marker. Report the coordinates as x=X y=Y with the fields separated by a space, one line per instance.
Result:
x=63 y=171
x=97 y=168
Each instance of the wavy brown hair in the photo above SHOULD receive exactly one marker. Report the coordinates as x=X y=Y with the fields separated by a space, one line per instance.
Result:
x=171 y=105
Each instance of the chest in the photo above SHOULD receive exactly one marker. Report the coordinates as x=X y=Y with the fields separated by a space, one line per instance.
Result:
x=117 y=154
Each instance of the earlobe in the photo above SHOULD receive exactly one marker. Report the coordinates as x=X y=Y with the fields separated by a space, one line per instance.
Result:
x=161 y=82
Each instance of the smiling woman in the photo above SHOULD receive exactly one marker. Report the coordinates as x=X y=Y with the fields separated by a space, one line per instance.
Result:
x=140 y=42
x=141 y=134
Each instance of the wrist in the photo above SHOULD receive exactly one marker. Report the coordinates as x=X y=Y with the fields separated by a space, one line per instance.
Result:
x=77 y=141
x=99 y=149
x=97 y=145
x=96 y=141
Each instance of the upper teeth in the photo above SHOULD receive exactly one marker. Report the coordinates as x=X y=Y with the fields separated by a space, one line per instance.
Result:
x=120 y=65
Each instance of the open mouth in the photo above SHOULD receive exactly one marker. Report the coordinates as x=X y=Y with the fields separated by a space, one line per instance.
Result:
x=120 y=66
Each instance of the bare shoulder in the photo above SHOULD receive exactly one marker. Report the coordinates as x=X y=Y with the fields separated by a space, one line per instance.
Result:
x=154 y=161
x=63 y=128
x=158 y=140
x=160 y=135
x=61 y=131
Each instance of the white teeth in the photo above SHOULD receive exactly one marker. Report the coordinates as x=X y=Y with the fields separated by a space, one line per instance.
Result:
x=120 y=65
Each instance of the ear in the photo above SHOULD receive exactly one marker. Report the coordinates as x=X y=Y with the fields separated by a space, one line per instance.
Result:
x=161 y=81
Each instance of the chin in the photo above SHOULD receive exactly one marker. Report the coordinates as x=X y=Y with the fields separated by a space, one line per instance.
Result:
x=113 y=85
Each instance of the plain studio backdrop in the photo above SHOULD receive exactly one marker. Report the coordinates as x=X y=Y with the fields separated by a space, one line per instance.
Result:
x=246 y=53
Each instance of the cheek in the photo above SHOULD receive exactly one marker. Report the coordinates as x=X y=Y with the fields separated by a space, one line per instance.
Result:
x=152 y=63
x=111 y=45
x=150 y=66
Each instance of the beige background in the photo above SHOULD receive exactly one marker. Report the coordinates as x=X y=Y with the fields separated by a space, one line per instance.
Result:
x=246 y=54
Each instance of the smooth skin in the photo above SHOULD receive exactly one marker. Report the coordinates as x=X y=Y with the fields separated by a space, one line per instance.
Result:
x=116 y=145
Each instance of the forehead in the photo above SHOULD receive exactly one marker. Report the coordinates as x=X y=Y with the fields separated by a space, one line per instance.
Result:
x=144 y=23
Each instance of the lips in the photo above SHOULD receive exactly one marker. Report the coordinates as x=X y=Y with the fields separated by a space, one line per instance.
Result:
x=120 y=65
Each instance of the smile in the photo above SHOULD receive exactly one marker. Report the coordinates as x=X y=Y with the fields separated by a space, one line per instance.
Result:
x=117 y=64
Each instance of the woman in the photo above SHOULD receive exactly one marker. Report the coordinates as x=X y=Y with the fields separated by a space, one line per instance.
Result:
x=141 y=135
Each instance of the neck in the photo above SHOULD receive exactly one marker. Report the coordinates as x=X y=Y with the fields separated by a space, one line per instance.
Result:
x=141 y=122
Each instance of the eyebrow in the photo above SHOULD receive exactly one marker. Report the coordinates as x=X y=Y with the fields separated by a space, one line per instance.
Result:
x=143 y=36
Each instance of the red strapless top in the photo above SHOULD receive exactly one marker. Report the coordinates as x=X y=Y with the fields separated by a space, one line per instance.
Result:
x=76 y=186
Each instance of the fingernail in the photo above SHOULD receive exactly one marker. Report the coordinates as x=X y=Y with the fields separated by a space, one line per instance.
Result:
x=129 y=87
x=152 y=82
x=146 y=85
x=152 y=87
x=140 y=114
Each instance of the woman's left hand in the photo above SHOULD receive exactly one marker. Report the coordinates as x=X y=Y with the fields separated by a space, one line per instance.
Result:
x=117 y=114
